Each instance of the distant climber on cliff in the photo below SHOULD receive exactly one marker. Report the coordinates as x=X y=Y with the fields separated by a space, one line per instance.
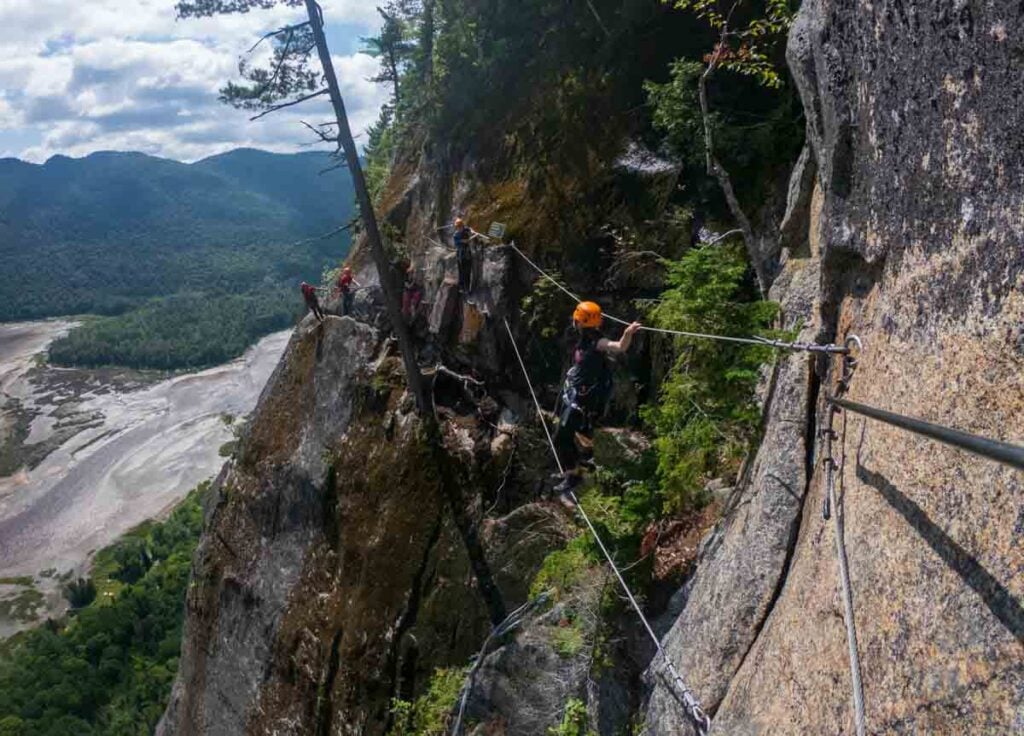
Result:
x=309 y=294
x=344 y=287
x=412 y=295
x=588 y=386
x=462 y=236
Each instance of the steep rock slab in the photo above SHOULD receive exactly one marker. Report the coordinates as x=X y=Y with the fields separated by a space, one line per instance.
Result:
x=915 y=119
x=266 y=515
x=743 y=563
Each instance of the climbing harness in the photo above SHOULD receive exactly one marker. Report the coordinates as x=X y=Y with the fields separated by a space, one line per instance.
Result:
x=763 y=341
x=700 y=719
x=832 y=502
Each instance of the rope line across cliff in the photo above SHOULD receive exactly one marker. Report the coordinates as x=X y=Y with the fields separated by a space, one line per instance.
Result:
x=755 y=340
x=693 y=709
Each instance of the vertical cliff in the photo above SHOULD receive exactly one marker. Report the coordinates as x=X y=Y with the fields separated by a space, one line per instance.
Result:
x=334 y=575
x=914 y=120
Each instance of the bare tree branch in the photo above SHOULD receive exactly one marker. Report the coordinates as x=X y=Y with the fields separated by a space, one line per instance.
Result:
x=278 y=32
x=300 y=100
x=441 y=368
x=723 y=236
x=320 y=134
x=329 y=169
x=326 y=235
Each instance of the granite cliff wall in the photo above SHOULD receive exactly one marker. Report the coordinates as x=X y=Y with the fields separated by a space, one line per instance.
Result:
x=914 y=119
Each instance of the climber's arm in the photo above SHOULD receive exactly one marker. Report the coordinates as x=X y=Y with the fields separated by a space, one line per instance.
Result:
x=622 y=344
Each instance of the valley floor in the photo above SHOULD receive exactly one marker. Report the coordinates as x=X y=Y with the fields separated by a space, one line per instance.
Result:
x=105 y=451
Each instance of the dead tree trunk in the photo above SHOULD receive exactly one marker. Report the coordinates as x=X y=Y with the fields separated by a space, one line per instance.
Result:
x=392 y=299
x=715 y=169
x=450 y=486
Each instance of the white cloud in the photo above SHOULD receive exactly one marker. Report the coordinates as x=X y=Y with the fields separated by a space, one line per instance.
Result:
x=92 y=76
x=9 y=117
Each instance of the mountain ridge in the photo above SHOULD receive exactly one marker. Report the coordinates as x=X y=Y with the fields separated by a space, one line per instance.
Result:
x=104 y=232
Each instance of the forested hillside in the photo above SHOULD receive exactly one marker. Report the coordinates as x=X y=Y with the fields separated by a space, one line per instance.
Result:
x=107 y=668
x=105 y=233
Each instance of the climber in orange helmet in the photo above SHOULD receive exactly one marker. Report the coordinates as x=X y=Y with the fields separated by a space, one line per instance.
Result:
x=588 y=386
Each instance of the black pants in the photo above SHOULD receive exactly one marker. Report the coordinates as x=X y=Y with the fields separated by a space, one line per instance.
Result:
x=465 y=272
x=346 y=303
x=573 y=420
x=314 y=307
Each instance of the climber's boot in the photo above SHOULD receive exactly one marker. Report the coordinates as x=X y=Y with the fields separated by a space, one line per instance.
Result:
x=570 y=481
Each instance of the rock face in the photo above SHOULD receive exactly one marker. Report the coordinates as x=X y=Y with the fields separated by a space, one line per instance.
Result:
x=914 y=120
x=743 y=563
x=332 y=576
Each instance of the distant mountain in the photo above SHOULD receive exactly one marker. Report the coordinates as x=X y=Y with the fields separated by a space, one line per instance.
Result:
x=106 y=232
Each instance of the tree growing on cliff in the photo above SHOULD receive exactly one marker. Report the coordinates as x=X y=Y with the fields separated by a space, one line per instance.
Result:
x=290 y=80
x=748 y=35
x=392 y=47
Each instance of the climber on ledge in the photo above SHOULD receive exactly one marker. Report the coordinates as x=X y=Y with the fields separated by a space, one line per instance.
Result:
x=309 y=294
x=462 y=236
x=344 y=287
x=588 y=386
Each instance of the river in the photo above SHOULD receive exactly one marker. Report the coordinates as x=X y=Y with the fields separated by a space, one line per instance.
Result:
x=121 y=448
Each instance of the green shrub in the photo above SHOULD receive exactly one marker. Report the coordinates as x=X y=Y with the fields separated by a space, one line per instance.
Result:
x=564 y=570
x=621 y=508
x=574 y=721
x=706 y=416
x=568 y=640
x=430 y=713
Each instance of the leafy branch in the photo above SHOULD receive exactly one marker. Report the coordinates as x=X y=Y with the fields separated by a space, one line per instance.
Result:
x=744 y=49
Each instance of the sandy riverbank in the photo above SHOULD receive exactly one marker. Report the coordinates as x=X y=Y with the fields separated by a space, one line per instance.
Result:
x=135 y=448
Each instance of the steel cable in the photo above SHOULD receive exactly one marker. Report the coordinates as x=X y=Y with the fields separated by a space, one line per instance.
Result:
x=846 y=587
x=693 y=708
x=762 y=341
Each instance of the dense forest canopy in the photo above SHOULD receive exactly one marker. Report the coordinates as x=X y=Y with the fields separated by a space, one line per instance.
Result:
x=108 y=668
x=189 y=330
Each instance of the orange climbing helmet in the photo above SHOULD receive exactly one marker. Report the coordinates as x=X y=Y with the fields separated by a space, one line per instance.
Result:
x=459 y=222
x=347 y=269
x=587 y=314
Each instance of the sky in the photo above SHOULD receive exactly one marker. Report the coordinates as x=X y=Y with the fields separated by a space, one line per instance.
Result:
x=78 y=76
